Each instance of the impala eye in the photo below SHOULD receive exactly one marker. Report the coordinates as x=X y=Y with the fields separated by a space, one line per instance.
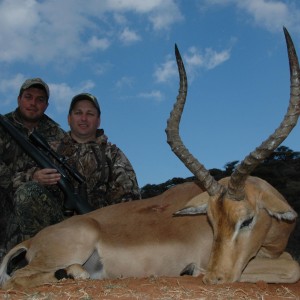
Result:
x=246 y=223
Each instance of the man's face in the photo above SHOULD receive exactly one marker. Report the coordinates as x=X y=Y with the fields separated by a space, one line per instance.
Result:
x=84 y=121
x=32 y=104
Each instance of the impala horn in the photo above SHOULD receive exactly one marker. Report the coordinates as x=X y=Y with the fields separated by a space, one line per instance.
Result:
x=175 y=142
x=236 y=185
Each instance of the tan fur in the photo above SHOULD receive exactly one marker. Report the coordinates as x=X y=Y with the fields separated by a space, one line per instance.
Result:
x=143 y=238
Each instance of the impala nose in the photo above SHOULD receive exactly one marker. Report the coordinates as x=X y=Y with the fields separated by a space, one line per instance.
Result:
x=213 y=278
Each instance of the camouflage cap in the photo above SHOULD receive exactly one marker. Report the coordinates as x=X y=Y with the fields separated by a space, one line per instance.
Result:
x=85 y=96
x=35 y=81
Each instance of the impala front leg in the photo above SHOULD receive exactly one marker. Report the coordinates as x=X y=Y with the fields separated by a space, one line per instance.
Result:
x=272 y=270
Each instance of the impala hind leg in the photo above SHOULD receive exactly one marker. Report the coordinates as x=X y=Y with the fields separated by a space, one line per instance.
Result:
x=28 y=277
x=283 y=269
x=188 y=270
x=193 y=270
x=75 y=271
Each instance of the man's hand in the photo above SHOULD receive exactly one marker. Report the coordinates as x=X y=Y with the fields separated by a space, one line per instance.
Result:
x=46 y=176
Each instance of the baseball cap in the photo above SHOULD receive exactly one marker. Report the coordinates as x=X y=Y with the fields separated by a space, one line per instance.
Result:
x=85 y=96
x=35 y=81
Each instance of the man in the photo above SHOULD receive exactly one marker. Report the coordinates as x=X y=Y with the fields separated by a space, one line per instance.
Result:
x=17 y=169
x=109 y=175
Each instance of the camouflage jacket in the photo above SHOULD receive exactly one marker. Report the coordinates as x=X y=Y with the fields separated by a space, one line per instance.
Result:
x=16 y=167
x=109 y=175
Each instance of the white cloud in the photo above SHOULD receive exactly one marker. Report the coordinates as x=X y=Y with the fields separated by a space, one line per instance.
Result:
x=166 y=71
x=102 y=68
x=125 y=81
x=16 y=25
x=120 y=18
x=43 y=31
x=128 y=36
x=137 y=5
x=167 y=14
x=62 y=93
x=96 y=43
x=161 y=13
x=208 y=60
x=153 y=95
x=193 y=60
x=11 y=87
x=269 y=14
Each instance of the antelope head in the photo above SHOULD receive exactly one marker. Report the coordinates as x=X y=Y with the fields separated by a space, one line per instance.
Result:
x=240 y=209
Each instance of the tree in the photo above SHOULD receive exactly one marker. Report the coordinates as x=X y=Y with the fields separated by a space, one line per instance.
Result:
x=283 y=153
x=229 y=167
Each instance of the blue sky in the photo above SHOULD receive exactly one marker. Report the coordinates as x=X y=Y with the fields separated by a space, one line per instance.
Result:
x=122 y=51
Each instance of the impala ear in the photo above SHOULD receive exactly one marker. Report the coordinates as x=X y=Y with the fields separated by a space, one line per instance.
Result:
x=277 y=207
x=196 y=206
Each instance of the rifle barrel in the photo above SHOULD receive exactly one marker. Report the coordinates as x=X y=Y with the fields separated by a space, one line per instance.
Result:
x=73 y=200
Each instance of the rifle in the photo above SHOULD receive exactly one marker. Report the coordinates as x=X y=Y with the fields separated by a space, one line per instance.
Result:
x=74 y=201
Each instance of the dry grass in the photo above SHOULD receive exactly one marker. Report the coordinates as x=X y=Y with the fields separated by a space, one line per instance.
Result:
x=188 y=288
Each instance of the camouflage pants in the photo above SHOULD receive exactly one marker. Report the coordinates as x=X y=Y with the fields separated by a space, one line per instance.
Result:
x=5 y=210
x=34 y=209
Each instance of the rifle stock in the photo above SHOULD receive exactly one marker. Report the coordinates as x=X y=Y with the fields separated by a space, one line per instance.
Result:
x=73 y=200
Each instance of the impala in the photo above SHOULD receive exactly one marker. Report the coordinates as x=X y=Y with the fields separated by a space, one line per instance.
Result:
x=235 y=229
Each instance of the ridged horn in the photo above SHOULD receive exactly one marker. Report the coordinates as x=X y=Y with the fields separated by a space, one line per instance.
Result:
x=175 y=142
x=236 y=183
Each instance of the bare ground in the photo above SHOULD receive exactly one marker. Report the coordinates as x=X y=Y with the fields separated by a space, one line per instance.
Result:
x=155 y=288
